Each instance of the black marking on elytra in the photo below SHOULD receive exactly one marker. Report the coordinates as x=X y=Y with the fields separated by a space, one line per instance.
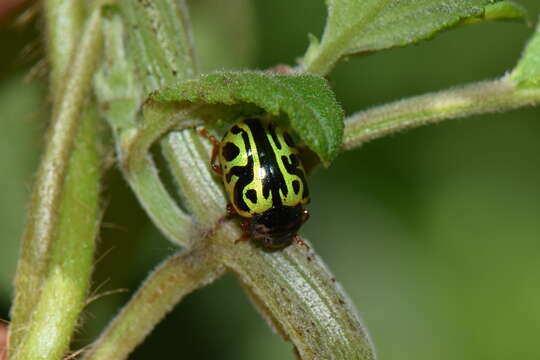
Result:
x=272 y=131
x=251 y=194
x=293 y=168
x=230 y=151
x=296 y=186
x=288 y=139
x=294 y=160
x=273 y=181
x=244 y=173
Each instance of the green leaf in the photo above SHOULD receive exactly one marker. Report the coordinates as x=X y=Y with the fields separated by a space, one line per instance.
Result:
x=307 y=100
x=527 y=71
x=504 y=10
x=355 y=27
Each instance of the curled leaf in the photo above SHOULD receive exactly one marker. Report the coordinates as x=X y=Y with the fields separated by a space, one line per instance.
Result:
x=307 y=100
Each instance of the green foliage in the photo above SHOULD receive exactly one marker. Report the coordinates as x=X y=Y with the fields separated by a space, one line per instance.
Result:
x=307 y=100
x=527 y=72
x=148 y=46
x=356 y=27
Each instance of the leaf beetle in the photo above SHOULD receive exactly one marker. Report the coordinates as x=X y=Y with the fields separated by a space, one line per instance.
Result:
x=264 y=179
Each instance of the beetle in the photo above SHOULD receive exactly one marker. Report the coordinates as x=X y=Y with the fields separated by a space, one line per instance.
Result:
x=264 y=179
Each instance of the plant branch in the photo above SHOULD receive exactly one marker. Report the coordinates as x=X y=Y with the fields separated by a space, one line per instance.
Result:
x=156 y=53
x=72 y=252
x=140 y=171
x=64 y=22
x=43 y=216
x=185 y=151
x=158 y=294
x=160 y=36
x=158 y=203
x=473 y=99
x=297 y=294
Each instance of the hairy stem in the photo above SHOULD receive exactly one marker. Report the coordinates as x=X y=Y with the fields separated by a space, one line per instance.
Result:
x=65 y=288
x=294 y=290
x=478 y=98
x=157 y=51
x=158 y=203
x=64 y=22
x=187 y=155
x=158 y=294
x=43 y=216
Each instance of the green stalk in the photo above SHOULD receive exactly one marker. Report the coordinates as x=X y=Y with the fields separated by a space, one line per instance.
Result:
x=64 y=290
x=64 y=23
x=159 y=293
x=50 y=202
x=148 y=45
x=473 y=99
x=161 y=60
x=186 y=154
x=44 y=210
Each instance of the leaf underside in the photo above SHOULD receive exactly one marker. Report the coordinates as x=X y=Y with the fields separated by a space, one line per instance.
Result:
x=307 y=100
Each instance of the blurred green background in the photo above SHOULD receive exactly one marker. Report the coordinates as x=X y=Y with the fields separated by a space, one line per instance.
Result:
x=434 y=232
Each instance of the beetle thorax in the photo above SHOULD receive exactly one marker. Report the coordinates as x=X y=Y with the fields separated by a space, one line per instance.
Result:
x=276 y=227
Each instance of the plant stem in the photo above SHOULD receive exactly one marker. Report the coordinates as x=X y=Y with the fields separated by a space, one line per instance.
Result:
x=141 y=172
x=64 y=22
x=187 y=155
x=156 y=51
x=158 y=203
x=158 y=294
x=43 y=216
x=472 y=99
x=64 y=290
x=297 y=294
x=161 y=60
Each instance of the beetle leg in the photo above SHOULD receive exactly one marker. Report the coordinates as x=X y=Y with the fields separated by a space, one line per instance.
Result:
x=244 y=224
x=245 y=229
x=215 y=150
x=242 y=238
x=300 y=242
x=231 y=210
